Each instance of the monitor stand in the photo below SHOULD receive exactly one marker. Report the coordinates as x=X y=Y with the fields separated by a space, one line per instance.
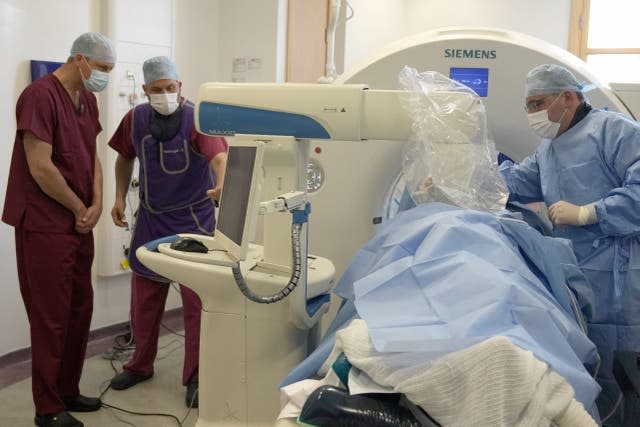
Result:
x=246 y=348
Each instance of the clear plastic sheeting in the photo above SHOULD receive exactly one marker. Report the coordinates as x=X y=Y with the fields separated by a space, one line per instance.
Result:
x=451 y=158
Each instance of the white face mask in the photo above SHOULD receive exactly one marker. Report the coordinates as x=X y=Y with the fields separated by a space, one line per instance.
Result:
x=165 y=103
x=97 y=81
x=540 y=123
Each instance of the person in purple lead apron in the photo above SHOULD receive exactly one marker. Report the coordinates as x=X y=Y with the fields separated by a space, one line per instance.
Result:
x=54 y=199
x=177 y=192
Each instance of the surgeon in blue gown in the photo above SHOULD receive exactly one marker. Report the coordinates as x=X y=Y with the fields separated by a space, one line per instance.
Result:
x=587 y=171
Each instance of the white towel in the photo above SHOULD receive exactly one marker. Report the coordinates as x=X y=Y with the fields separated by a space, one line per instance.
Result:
x=493 y=383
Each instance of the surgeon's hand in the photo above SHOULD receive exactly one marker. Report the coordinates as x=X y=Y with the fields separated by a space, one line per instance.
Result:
x=81 y=225
x=214 y=193
x=117 y=213
x=91 y=217
x=565 y=213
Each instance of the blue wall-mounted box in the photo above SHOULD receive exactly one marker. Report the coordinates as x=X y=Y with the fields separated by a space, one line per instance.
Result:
x=42 y=68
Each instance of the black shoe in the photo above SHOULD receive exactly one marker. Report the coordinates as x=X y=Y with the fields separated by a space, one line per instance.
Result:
x=82 y=403
x=61 y=419
x=126 y=379
x=192 y=394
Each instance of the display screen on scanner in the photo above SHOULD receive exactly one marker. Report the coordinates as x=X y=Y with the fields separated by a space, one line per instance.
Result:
x=475 y=78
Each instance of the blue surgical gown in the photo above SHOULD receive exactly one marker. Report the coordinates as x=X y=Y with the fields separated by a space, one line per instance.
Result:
x=596 y=161
x=436 y=279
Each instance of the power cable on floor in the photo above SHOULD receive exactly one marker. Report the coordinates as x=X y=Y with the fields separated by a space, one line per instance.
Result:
x=147 y=414
x=122 y=420
x=171 y=330
x=124 y=345
x=121 y=346
x=193 y=399
x=168 y=353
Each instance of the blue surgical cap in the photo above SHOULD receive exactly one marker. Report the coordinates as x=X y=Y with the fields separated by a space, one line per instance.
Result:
x=550 y=78
x=158 y=68
x=94 y=46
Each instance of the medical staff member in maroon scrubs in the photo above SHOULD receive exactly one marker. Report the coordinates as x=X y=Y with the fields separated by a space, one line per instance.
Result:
x=54 y=199
x=177 y=188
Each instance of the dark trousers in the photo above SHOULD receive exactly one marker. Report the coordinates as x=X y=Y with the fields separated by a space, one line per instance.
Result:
x=148 y=299
x=54 y=271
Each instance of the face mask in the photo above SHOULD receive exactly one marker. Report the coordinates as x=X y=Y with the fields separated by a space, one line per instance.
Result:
x=540 y=123
x=164 y=103
x=97 y=81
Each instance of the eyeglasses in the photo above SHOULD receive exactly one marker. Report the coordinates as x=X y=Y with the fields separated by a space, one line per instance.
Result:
x=535 y=104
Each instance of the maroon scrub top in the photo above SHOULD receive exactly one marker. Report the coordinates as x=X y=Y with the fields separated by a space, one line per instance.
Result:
x=46 y=110
x=207 y=145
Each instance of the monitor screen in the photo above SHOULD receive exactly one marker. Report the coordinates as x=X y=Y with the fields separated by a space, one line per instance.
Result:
x=474 y=78
x=239 y=199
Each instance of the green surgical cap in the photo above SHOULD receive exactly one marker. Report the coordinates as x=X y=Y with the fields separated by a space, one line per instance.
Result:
x=94 y=46
x=550 y=78
x=158 y=68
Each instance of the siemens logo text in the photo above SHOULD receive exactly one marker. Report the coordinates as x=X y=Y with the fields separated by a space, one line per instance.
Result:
x=470 y=53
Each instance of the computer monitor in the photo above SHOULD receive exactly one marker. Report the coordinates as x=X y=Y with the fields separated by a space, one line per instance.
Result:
x=240 y=198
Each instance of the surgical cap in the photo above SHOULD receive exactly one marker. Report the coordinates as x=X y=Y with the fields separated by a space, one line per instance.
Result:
x=94 y=46
x=550 y=78
x=158 y=68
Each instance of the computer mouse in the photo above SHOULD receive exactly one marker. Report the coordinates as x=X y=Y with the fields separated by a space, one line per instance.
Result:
x=189 y=244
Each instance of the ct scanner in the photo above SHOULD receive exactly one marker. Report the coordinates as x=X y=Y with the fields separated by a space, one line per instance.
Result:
x=352 y=172
x=504 y=56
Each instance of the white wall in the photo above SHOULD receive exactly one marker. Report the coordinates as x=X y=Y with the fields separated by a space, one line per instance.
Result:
x=378 y=22
x=197 y=43
x=249 y=33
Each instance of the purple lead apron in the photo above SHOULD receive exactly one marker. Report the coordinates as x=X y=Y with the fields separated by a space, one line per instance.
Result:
x=174 y=180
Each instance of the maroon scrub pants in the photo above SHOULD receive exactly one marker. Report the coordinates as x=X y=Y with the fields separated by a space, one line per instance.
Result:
x=148 y=299
x=54 y=271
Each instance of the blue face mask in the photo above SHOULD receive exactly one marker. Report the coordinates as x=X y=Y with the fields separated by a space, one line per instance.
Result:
x=97 y=81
